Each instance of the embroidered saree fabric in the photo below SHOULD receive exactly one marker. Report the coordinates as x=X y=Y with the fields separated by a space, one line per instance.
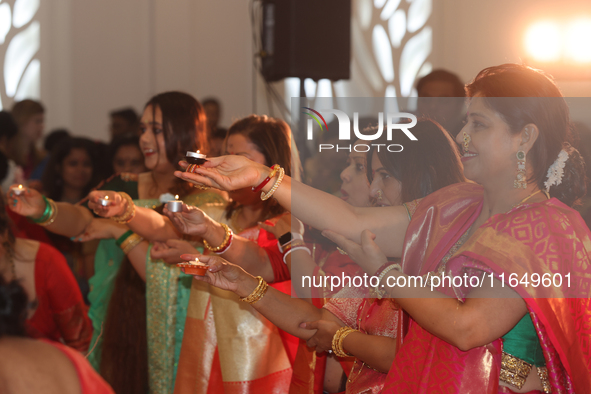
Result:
x=228 y=347
x=537 y=237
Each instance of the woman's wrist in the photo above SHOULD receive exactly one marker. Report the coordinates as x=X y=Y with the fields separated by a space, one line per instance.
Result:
x=214 y=233
x=40 y=209
x=264 y=172
x=118 y=231
x=246 y=284
x=123 y=208
x=349 y=339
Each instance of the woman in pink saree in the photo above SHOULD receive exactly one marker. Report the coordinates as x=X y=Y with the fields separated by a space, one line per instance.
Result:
x=496 y=330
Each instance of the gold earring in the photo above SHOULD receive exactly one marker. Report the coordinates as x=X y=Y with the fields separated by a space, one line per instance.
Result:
x=520 y=182
x=467 y=140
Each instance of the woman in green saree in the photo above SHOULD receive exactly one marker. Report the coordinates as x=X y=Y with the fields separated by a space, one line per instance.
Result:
x=125 y=313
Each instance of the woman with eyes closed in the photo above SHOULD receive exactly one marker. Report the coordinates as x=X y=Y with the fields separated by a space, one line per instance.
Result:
x=130 y=317
x=496 y=335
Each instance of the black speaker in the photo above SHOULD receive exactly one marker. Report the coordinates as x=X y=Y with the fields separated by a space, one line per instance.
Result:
x=306 y=39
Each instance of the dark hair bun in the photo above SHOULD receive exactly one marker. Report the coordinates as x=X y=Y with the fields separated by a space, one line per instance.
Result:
x=573 y=185
x=13 y=308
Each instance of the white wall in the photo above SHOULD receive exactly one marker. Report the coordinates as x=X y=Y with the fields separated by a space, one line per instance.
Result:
x=101 y=55
x=98 y=56
x=475 y=34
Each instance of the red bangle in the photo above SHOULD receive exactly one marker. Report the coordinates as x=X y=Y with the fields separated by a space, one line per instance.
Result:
x=274 y=170
x=382 y=268
x=222 y=250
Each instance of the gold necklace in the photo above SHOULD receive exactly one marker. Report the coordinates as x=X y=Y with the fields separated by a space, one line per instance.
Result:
x=530 y=196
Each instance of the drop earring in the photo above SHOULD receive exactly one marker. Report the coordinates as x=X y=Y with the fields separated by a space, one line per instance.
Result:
x=520 y=181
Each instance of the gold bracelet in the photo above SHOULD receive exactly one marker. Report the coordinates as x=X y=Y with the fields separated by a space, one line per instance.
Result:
x=257 y=293
x=228 y=231
x=337 y=341
x=275 y=185
x=52 y=215
x=130 y=242
x=129 y=211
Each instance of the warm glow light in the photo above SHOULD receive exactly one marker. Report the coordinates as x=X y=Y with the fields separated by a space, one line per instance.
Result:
x=578 y=41
x=176 y=197
x=543 y=41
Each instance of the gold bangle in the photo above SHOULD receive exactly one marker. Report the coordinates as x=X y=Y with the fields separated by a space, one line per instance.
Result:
x=275 y=185
x=131 y=242
x=228 y=231
x=337 y=341
x=52 y=215
x=129 y=211
x=257 y=293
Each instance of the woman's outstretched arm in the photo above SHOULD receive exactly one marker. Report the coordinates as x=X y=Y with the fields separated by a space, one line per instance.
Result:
x=108 y=229
x=146 y=222
x=375 y=350
x=241 y=251
x=490 y=312
x=281 y=309
x=313 y=207
x=71 y=220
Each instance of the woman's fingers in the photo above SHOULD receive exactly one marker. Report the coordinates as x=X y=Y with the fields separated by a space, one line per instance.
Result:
x=214 y=161
x=368 y=243
x=196 y=179
x=367 y=236
x=344 y=243
x=268 y=227
x=177 y=243
x=311 y=325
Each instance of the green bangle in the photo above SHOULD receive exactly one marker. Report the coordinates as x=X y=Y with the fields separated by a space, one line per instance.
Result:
x=46 y=214
x=122 y=238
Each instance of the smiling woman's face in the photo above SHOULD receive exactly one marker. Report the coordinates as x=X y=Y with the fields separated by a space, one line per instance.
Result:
x=152 y=140
x=491 y=157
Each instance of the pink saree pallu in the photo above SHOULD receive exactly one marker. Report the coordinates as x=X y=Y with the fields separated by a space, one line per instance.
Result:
x=544 y=238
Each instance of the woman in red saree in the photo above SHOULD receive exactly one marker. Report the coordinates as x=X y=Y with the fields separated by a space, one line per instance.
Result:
x=33 y=366
x=395 y=177
x=59 y=313
x=517 y=150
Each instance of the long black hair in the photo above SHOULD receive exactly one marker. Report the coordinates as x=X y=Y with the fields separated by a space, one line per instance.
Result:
x=523 y=95
x=52 y=181
x=423 y=166
x=185 y=129
x=13 y=299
